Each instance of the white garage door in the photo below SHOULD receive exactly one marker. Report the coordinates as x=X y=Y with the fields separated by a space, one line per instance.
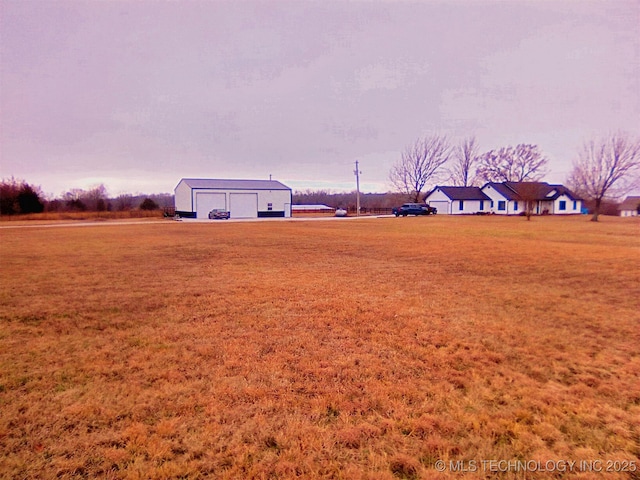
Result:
x=243 y=205
x=207 y=201
x=443 y=207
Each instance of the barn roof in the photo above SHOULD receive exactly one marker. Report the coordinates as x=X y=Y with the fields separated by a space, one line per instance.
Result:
x=225 y=184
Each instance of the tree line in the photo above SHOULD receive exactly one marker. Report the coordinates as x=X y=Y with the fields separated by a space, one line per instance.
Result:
x=18 y=197
x=604 y=168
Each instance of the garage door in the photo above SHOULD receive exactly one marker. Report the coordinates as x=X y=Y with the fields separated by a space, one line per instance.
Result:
x=443 y=207
x=206 y=201
x=243 y=205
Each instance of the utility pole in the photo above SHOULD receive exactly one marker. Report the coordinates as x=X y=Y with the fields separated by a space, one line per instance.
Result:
x=357 y=172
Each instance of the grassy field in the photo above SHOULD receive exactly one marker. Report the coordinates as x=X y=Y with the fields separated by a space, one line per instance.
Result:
x=364 y=349
x=51 y=217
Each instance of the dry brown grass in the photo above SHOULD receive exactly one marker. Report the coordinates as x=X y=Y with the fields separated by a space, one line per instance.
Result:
x=80 y=216
x=342 y=349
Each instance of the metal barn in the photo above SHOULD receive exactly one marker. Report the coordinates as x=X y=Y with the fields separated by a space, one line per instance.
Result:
x=196 y=197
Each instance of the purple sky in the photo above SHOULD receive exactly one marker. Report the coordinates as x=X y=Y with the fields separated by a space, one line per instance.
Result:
x=137 y=94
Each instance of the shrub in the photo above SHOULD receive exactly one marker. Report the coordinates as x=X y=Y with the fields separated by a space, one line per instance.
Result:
x=148 y=204
x=19 y=197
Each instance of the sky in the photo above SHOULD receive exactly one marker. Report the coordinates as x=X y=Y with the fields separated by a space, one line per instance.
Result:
x=137 y=94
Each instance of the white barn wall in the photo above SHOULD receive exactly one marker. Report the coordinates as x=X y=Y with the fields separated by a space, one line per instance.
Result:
x=281 y=200
x=183 y=197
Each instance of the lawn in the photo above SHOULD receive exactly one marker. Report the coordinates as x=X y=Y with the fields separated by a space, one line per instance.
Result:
x=366 y=349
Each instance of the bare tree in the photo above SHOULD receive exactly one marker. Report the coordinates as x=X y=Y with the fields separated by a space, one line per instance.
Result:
x=124 y=202
x=513 y=164
x=464 y=159
x=420 y=162
x=92 y=200
x=529 y=194
x=605 y=168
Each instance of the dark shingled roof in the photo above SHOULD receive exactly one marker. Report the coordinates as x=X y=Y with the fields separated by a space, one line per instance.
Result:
x=542 y=190
x=503 y=190
x=462 y=193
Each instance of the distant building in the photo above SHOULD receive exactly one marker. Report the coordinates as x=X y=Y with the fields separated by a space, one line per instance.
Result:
x=312 y=208
x=630 y=207
x=196 y=197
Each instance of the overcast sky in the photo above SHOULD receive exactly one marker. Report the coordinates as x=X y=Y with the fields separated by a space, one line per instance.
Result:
x=137 y=94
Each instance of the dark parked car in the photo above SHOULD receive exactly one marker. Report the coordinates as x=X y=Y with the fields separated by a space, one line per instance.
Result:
x=414 y=209
x=219 y=214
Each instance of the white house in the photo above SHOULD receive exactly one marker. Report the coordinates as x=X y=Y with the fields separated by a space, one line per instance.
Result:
x=196 y=197
x=503 y=200
x=508 y=198
x=630 y=207
x=458 y=200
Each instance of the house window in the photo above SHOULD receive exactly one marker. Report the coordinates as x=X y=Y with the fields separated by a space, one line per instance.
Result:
x=269 y=206
x=575 y=205
x=502 y=205
x=491 y=203
x=515 y=206
x=481 y=205
x=562 y=205
x=461 y=206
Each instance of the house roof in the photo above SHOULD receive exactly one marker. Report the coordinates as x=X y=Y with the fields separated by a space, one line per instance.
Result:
x=630 y=203
x=562 y=190
x=503 y=190
x=224 y=184
x=537 y=190
x=541 y=190
x=462 y=193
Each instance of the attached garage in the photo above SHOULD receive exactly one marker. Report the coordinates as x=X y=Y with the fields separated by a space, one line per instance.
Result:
x=443 y=207
x=458 y=200
x=196 y=197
